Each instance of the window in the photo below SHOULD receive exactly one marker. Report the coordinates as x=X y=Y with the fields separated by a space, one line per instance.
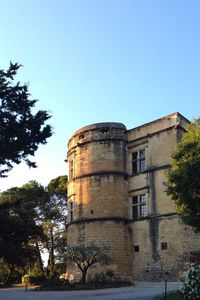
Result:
x=164 y=246
x=138 y=161
x=194 y=257
x=71 y=211
x=136 y=248
x=71 y=169
x=139 y=207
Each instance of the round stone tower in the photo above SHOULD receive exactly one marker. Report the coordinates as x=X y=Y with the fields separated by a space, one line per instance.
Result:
x=97 y=192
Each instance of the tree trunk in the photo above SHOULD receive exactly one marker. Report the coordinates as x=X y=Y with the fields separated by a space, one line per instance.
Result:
x=51 y=254
x=8 y=277
x=84 y=275
x=39 y=258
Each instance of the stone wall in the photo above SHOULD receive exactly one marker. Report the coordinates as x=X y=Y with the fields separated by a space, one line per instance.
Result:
x=97 y=192
x=114 y=234
x=151 y=261
x=101 y=190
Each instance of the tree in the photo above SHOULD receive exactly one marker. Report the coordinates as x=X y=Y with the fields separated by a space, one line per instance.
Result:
x=183 y=179
x=57 y=190
x=18 y=229
x=21 y=131
x=54 y=218
x=58 y=187
x=32 y=219
x=84 y=256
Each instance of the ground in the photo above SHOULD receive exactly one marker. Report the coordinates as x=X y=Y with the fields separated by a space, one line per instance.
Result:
x=141 y=291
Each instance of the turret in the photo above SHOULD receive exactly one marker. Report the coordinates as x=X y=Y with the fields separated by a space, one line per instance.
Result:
x=97 y=190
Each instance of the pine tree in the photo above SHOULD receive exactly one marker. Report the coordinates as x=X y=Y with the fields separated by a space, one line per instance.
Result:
x=21 y=131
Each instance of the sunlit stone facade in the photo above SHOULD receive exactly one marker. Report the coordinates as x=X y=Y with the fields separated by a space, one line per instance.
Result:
x=117 y=197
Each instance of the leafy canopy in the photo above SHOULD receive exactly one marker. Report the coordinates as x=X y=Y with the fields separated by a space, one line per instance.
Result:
x=54 y=214
x=21 y=131
x=183 y=179
x=84 y=256
x=33 y=218
x=18 y=223
x=58 y=186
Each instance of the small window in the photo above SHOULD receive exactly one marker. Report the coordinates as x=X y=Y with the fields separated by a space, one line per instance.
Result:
x=136 y=248
x=139 y=207
x=164 y=246
x=71 y=169
x=194 y=257
x=139 y=161
x=71 y=211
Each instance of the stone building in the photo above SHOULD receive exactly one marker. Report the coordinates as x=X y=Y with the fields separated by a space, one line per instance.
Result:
x=117 y=197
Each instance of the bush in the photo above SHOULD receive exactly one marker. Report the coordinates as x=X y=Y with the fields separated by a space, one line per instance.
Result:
x=191 y=285
x=107 y=279
x=176 y=295
x=98 y=277
x=104 y=277
x=33 y=279
x=52 y=282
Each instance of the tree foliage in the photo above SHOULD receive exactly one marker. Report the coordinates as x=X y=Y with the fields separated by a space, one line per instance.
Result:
x=21 y=131
x=56 y=207
x=58 y=187
x=54 y=218
x=18 y=228
x=33 y=219
x=183 y=179
x=84 y=256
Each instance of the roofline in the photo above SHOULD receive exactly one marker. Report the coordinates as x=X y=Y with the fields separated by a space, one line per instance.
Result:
x=160 y=119
x=96 y=126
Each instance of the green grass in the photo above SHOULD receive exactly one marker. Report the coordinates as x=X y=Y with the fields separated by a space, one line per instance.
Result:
x=177 y=295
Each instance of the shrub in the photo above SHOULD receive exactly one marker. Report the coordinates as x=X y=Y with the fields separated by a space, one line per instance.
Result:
x=175 y=295
x=107 y=279
x=108 y=276
x=191 y=285
x=33 y=279
x=99 y=277
x=52 y=282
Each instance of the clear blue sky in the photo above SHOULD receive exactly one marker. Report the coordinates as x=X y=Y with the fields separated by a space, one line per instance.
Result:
x=89 y=61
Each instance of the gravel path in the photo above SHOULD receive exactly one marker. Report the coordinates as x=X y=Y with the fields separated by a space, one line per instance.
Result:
x=141 y=291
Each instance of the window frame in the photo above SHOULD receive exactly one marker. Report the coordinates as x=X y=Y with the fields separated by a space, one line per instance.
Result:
x=136 y=248
x=71 y=169
x=164 y=246
x=139 y=161
x=139 y=207
x=194 y=257
x=71 y=211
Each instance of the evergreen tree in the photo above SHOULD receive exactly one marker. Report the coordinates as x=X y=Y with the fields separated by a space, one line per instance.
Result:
x=18 y=228
x=33 y=219
x=54 y=218
x=21 y=131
